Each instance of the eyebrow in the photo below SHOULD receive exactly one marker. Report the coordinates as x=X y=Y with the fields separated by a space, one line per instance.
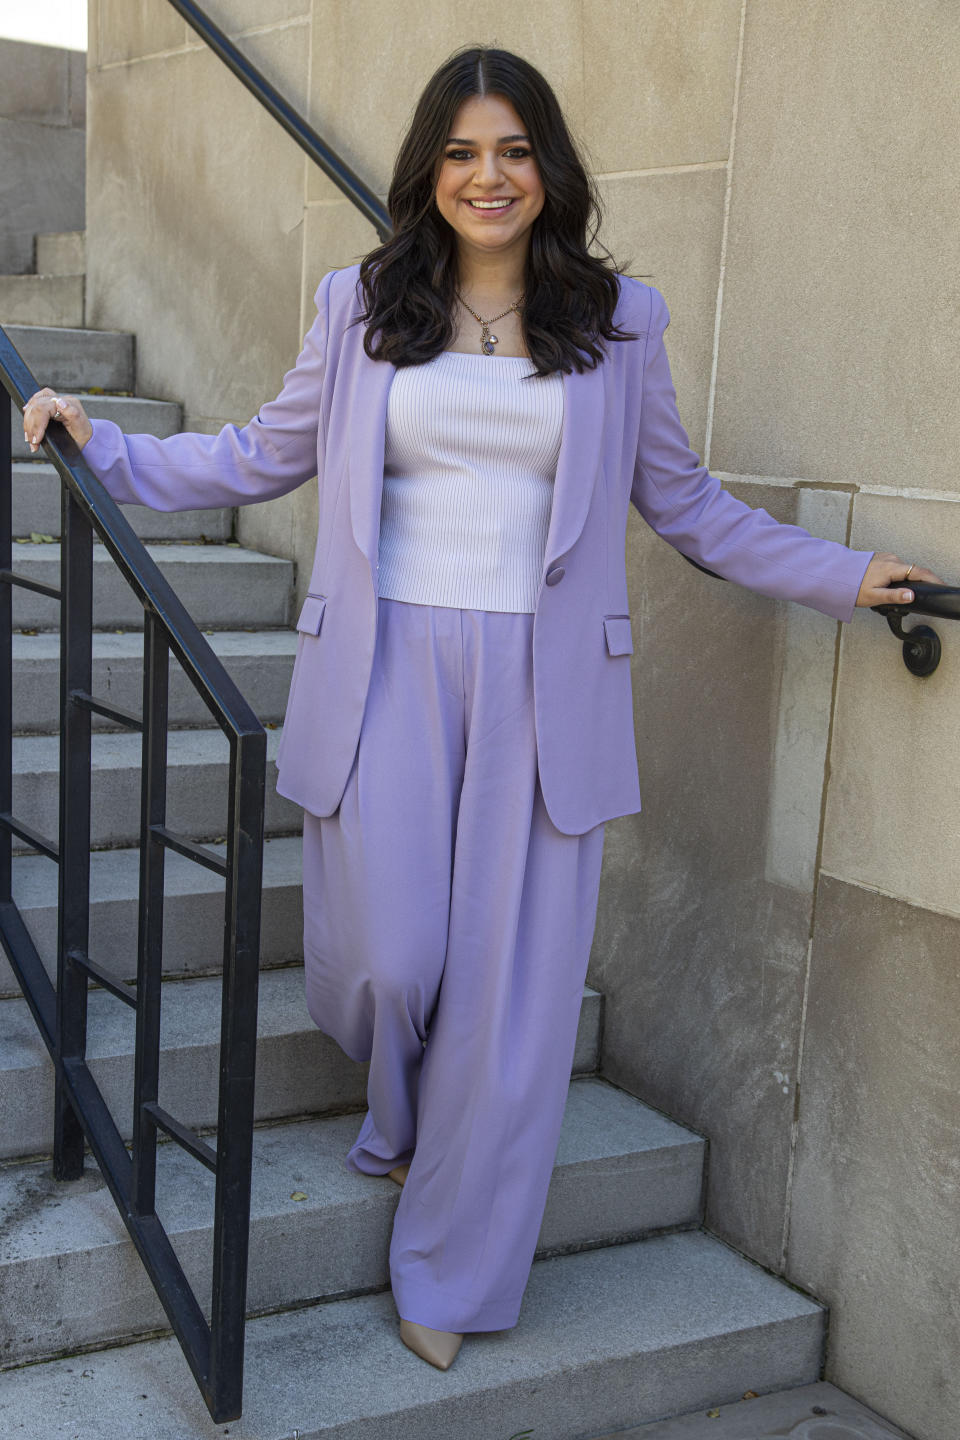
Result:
x=504 y=139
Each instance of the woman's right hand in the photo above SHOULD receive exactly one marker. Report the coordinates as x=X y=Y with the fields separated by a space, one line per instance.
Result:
x=47 y=405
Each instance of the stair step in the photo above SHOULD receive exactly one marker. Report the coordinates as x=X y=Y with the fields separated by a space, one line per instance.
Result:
x=300 y=1071
x=61 y=252
x=192 y=914
x=36 y=507
x=134 y=414
x=41 y=300
x=224 y=587
x=804 y=1412
x=197 y=765
x=70 y=1276
x=76 y=359
x=606 y=1338
x=260 y=663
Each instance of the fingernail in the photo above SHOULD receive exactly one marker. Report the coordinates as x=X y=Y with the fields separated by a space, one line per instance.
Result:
x=907 y=596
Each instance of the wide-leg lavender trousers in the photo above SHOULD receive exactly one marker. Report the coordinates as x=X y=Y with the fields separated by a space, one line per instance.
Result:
x=447 y=929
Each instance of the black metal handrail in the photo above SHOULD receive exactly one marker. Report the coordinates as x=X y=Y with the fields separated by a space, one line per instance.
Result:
x=214 y=1350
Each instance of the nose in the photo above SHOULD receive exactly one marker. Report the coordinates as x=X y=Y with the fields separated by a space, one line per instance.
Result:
x=488 y=170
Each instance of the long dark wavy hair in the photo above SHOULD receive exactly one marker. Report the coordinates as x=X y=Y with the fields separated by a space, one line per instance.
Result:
x=409 y=282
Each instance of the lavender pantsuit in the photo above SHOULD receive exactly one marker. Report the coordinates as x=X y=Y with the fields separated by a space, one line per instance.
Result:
x=457 y=767
x=441 y=904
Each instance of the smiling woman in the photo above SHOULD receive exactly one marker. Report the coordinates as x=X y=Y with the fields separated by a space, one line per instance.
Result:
x=460 y=723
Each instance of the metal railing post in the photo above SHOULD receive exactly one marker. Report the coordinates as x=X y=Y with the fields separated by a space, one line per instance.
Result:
x=153 y=812
x=6 y=644
x=76 y=665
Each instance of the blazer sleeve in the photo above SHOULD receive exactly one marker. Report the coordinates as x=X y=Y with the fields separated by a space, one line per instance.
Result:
x=272 y=454
x=689 y=507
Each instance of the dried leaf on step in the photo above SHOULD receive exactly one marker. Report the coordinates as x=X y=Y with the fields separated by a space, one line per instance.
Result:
x=37 y=538
x=299 y=1195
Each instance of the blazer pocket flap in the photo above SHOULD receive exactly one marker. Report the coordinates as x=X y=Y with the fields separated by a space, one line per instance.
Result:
x=618 y=633
x=311 y=616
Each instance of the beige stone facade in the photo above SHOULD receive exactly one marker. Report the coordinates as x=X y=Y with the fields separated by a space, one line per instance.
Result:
x=779 y=936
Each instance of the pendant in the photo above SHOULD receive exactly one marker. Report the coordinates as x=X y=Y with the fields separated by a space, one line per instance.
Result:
x=487 y=341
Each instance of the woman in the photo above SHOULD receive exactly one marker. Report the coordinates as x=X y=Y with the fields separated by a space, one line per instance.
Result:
x=481 y=398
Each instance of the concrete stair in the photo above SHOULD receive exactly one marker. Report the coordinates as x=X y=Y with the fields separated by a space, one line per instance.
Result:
x=223 y=586
x=632 y=1312
x=41 y=299
x=260 y=661
x=196 y=785
x=610 y=1336
x=36 y=508
x=192 y=915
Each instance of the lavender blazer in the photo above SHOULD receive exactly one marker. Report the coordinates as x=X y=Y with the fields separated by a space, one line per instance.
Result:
x=622 y=441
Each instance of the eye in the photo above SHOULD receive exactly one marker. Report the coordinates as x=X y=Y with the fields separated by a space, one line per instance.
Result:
x=517 y=152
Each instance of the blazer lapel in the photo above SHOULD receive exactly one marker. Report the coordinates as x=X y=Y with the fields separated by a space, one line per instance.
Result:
x=580 y=451
x=579 y=457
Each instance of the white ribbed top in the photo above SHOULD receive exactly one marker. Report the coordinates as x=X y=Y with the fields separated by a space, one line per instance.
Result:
x=470 y=456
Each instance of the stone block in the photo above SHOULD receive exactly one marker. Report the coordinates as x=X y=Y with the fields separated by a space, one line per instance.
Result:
x=666 y=230
x=216 y=309
x=61 y=253
x=355 y=100
x=42 y=183
x=701 y=958
x=41 y=300
x=75 y=359
x=874 y=1199
x=132 y=29
x=839 y=347
x=659 y=82
x=892 y=770
x=35 y=83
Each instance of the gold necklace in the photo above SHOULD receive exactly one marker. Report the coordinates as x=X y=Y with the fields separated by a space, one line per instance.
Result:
x=487 y=338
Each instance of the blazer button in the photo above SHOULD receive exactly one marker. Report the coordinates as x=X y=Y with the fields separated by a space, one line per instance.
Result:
x=554 y=576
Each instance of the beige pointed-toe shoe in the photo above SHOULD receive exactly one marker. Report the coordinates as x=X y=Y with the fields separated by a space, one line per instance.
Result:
x=439 y=1347
x=399 y=1173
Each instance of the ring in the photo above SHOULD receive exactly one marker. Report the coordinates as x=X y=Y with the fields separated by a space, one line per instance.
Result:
x=907 y=576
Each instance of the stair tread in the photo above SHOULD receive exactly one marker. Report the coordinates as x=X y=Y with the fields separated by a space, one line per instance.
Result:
x=115 y=874
x=44 y=647
x=601 y=1123
x=36 y=506
x=189 y=1008
x=34 y=754
x=67 y=331
x=174 y=553
x=607 y=1337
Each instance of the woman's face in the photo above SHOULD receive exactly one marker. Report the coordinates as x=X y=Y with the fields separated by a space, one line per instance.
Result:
x=488 y=158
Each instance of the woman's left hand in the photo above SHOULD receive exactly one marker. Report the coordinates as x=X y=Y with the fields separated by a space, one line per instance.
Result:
x=880 y=582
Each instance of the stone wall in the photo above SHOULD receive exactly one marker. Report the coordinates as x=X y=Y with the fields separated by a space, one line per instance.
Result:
x=42 y=103
x=778 y=932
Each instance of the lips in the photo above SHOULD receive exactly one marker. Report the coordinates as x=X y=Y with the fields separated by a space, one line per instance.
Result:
x=491 y=208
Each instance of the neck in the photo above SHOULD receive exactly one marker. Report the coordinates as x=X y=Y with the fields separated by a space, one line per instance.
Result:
x=496 y=278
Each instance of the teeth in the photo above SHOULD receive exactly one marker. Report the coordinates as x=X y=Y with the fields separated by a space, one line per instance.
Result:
x=490 y=204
